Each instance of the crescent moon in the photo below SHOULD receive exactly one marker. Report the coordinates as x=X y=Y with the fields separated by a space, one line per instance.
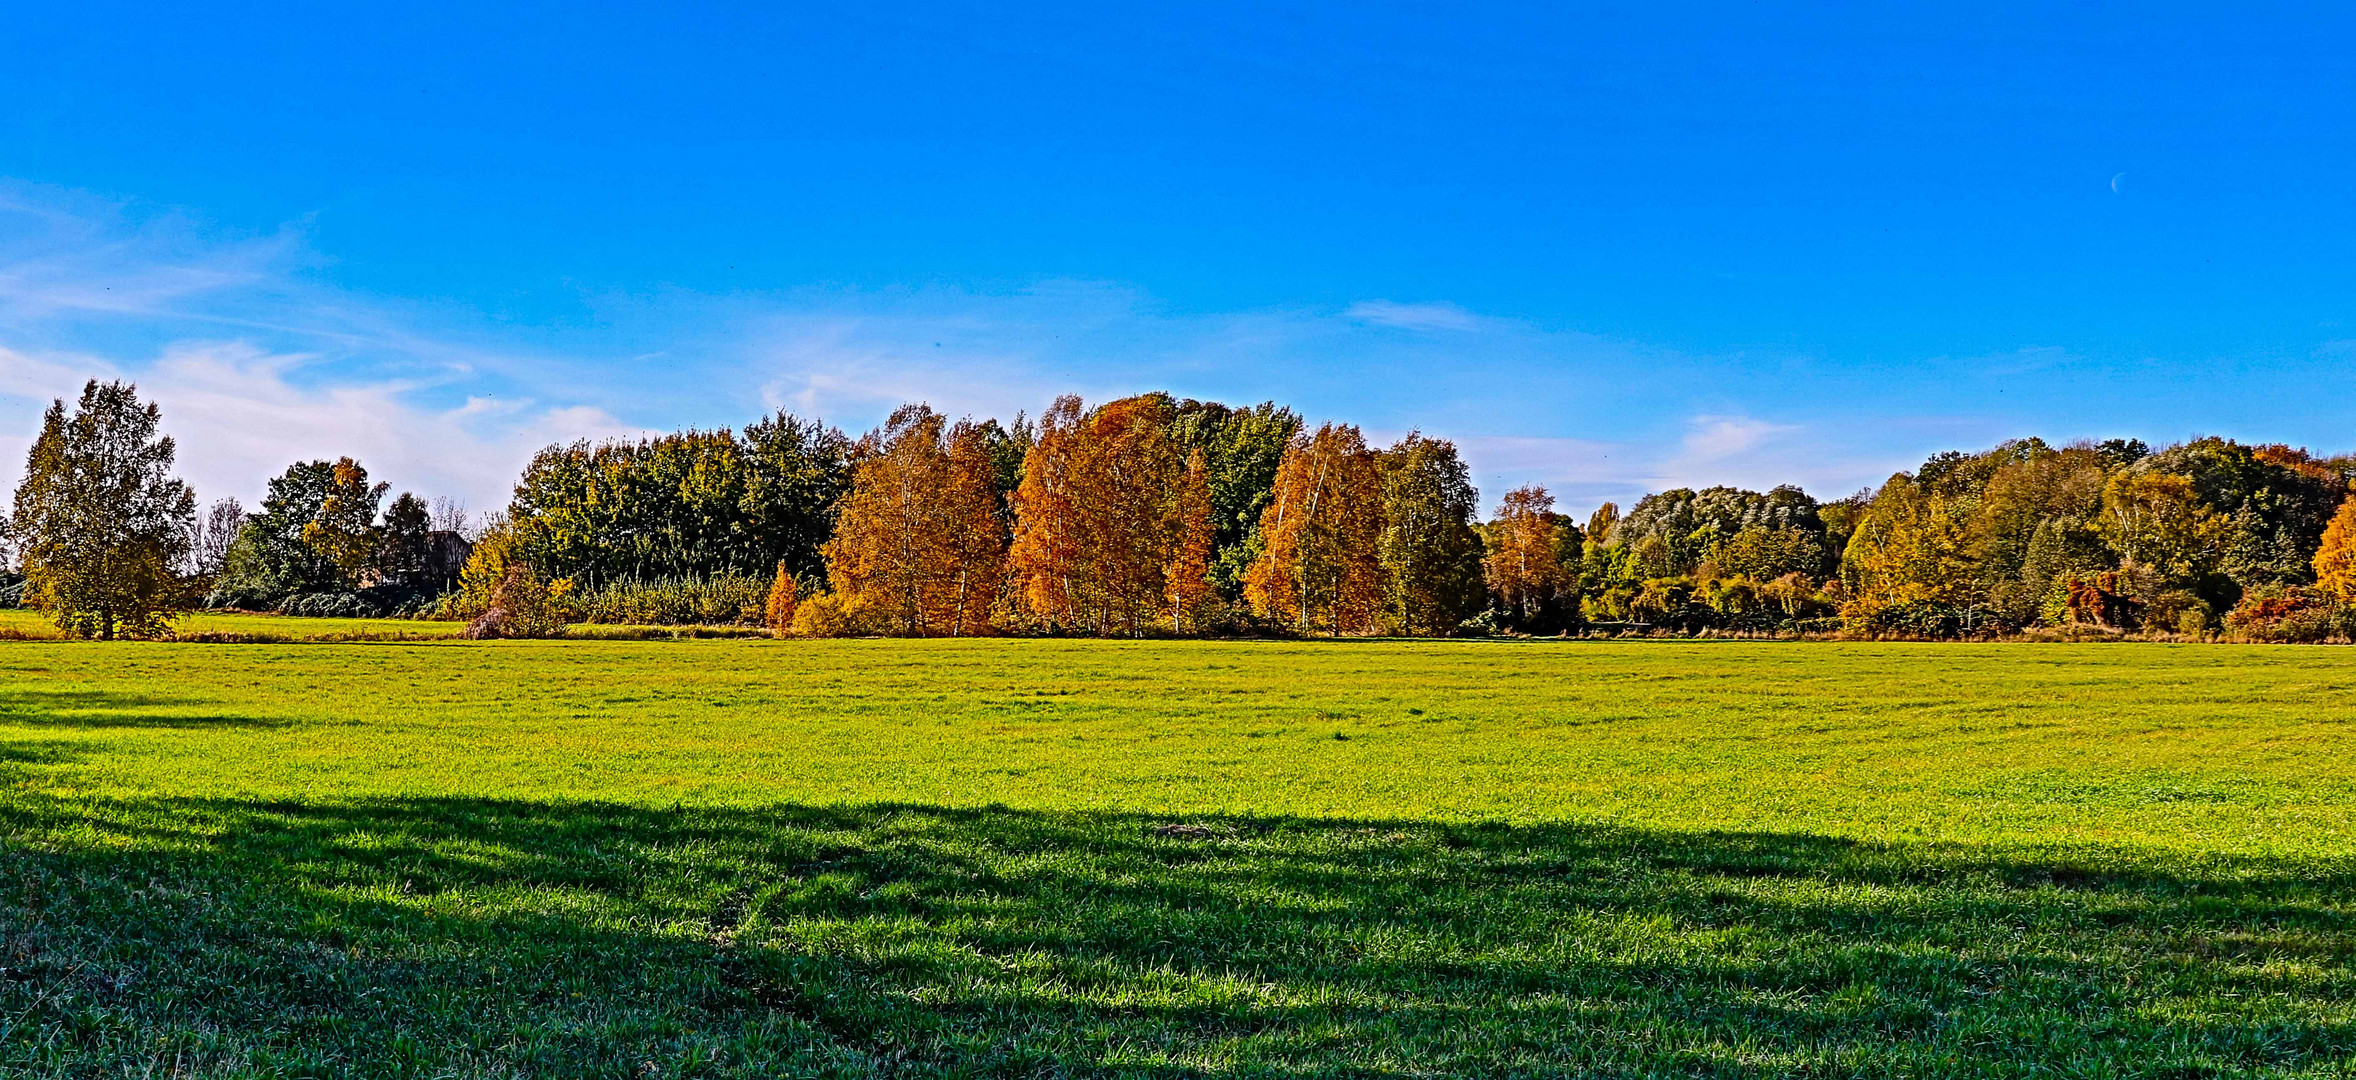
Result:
x=2115 y=182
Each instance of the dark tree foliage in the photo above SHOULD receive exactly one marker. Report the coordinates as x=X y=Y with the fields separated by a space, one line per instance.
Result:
x=2120 y=453
x=689 y=505
x=404 y=549
x=1241 y=450
x=800 y=470
x=1009 y=446
x=271 y=560
x=1431 y=555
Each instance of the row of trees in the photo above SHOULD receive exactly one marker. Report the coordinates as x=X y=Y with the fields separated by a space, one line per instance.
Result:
x=1152 y=514
x=108 y=540
x=1115 y=526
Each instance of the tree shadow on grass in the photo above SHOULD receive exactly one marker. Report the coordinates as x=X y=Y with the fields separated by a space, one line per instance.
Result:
x=482 y=937
x=77 y=707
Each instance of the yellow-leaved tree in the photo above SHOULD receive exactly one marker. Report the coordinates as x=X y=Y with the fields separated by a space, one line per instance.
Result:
x=1911 y=547
x=2157 y=522
x=2335 y=561
x=1187 y=578
x=784 y=597
x=1319 y=567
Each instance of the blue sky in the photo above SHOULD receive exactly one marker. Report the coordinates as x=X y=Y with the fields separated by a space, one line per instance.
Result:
x=1610 y=249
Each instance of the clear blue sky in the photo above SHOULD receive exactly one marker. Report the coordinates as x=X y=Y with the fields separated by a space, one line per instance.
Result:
x=1609 y=248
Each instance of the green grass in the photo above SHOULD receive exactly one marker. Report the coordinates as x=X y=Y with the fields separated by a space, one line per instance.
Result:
x=756 y=858
x=27 y=623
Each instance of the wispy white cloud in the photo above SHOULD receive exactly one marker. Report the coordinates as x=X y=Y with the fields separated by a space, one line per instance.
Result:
x=1424 y=316
x=239 y=419
x=1714 y=439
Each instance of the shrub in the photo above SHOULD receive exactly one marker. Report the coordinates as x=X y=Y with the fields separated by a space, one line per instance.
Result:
x=329 y=605
x=2177 y=609
x=2290 y=614
x=521 y=607
x=1917 y=619
x=2096 y=599
x=821 y=616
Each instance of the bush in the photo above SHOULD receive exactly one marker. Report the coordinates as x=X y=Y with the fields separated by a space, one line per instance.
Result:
x=329 y=605
x=821 y=616
x=1916 y=619
x=2290 y=614
x=1489 y=623
x=2180 y=610
x=521 y=607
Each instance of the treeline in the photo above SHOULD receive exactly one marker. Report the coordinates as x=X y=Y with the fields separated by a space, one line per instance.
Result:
x=1158 y=515
x=1153 y=514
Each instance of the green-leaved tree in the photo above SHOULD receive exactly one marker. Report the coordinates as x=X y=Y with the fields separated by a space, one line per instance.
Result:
x=99 y=520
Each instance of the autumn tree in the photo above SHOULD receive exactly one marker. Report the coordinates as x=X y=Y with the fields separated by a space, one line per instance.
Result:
x=1910 y=548
x=1760 y=554
x=2040 y=493
x=2274 y=502
x=313 y=533
x=2158 y=523
x=2335 y=560
x=1602 y=523
x=1187 y=578
x=99 y=521
x=1523 y=569
x=1110 y=510
x=972 y=512
x=1430 y=554
x=917 y=546
x=784 y=597
x=343 y=529
x=1319 y=565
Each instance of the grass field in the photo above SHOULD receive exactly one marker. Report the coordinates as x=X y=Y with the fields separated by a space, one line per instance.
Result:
x=755 y=858
x=21 y=622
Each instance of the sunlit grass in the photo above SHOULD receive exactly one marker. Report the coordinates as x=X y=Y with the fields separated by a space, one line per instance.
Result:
x=21 y=621
x=1177 y=858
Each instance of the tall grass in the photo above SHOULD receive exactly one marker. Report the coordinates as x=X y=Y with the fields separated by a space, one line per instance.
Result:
x=727 y=599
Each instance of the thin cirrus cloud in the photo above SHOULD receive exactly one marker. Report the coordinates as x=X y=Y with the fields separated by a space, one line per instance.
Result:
x=259 y=360
x=1426 y=316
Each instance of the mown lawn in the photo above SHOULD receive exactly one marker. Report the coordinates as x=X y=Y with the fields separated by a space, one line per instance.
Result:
x=755 y=858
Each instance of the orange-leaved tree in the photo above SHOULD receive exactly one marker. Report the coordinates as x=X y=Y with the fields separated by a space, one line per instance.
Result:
x=1319 y=567
x=2335 y=561
x=1187 y=577
x=1522 y=566
x=918 y=547
x=784 y=596
x=1103 y=518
